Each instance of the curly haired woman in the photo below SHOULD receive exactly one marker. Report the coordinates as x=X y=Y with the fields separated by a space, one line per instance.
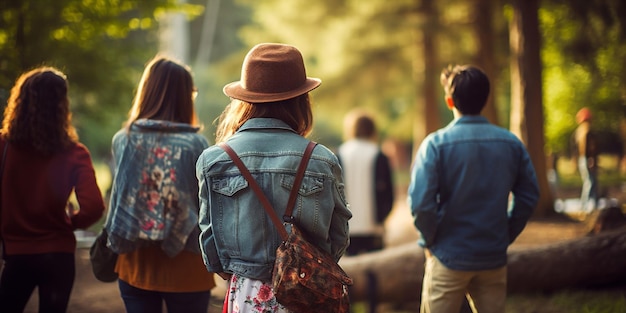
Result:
x=44 y=163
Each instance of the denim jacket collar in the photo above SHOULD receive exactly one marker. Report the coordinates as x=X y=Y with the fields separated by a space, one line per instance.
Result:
x=265 y=123
x=469 y=119
x=165 y=126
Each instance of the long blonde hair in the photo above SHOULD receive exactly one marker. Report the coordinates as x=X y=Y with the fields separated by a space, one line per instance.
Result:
x=296 y=112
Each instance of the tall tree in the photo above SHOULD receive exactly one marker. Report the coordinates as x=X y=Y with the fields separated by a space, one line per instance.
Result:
x=526 y=93
x=426 y=72
x=484 y=31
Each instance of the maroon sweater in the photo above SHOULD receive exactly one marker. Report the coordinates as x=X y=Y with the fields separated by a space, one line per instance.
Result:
x=35 y=192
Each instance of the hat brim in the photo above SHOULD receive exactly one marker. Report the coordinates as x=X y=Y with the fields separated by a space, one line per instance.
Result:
x=236 y=91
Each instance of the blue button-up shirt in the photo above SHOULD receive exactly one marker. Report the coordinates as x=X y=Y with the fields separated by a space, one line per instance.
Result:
x=473 y=188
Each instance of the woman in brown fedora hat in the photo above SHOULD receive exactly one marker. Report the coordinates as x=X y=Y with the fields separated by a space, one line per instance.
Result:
x=266 y=124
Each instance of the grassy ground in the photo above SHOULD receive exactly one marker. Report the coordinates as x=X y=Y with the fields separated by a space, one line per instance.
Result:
x=609 y=173
x=610 y=300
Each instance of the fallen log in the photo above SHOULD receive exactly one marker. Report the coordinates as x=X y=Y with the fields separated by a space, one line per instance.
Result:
x=585 y=262
x=588 y=261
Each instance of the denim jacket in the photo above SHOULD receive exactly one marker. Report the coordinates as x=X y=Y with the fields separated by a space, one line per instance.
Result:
x=459 y=193
x=237 y=234
x=154 y=197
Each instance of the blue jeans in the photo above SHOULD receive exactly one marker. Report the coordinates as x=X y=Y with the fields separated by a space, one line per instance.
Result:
x=52 y=273
x=589 y=192
x=138 y=300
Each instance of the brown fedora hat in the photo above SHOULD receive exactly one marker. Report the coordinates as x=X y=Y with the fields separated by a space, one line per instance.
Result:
x=271 y=72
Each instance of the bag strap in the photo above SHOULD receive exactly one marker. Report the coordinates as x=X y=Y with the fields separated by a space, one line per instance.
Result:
x=259 y=192
x=288 y=217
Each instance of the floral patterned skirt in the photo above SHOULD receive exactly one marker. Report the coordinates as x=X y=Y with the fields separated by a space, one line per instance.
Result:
x=250 y=295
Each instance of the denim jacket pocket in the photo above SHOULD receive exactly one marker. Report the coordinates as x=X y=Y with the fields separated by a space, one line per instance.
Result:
x=308 y=212
x=227 y=213
x=229 y=186
x=310 y=185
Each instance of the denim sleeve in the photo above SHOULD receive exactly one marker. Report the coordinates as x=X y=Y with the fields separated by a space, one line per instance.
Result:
x=423 y=193
x=525 y=196
x=207 y=238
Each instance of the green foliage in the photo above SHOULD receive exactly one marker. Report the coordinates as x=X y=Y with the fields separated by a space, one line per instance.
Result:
x=584 y=56
x=367 y=53
x=569 y=301
x=359 y=49
x=102 y=46
x=224 y=63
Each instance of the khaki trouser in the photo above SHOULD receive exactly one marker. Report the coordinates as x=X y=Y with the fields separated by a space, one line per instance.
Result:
x=443 y=289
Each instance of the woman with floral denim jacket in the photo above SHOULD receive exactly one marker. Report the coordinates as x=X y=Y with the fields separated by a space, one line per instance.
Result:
x=266 y=124
x=153 y=217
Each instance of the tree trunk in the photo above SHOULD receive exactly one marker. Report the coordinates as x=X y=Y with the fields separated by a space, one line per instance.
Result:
x=427 y=119
x=588 y=261
x=209 y=27
x=526 y=94
x=174 y=35
x=486 y=58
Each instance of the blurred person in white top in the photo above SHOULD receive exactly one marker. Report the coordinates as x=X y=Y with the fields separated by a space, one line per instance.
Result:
x=368 y=182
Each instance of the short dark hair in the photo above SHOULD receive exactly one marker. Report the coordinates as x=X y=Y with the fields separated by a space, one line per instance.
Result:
x=468 y=86
x=359 y=124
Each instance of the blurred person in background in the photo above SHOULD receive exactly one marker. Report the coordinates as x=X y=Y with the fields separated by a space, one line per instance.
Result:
x=587 y=155
x=368 y=179
x=43 y=165
x=369 y=188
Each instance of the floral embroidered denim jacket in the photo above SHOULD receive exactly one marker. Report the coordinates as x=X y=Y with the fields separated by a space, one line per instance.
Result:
x=154 y=197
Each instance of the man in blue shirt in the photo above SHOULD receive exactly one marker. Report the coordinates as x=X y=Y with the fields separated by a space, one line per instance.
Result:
x=473 y=188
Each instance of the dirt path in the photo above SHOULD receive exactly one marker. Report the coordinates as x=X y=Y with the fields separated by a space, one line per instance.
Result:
x=92 y=296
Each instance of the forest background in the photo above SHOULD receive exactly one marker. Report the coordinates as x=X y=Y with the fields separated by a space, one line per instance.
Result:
x=546 y=60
